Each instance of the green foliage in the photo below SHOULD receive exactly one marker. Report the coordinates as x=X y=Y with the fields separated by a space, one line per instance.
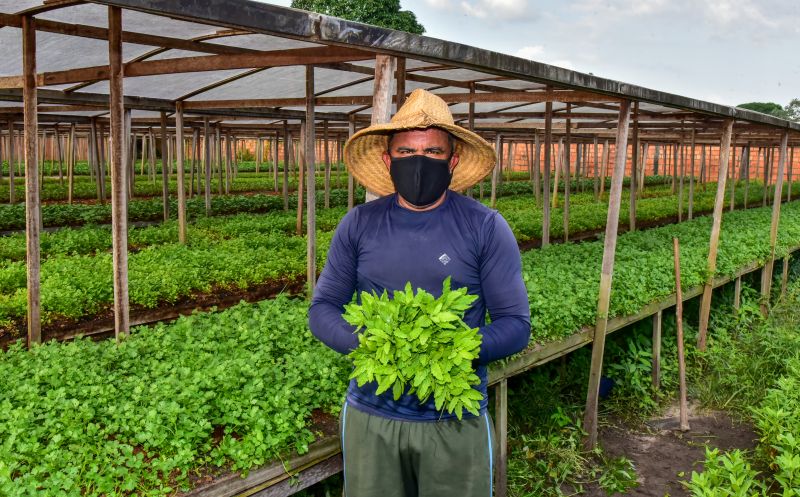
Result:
x=384 y=13
x=417 y=344
x=793 y=109
x=770 y=108
x=232 y=389
x=725 y=475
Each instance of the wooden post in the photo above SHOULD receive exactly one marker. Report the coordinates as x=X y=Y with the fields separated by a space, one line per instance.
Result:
x=737 y=293
x=12 y=193
x=733 y=173
x=382 y=95
x=548 y=144
x=747 y=176
x=691 y=177
x=657 y=318
x=311 y=224
x=33 y=214
x=327 y=161
x=219 y=154
x=497 y=167
x=605 y=160
x=785 y=276
x=228 y=160
x=766 y=284
x=567 y=175
x=101 y=165
x=501 y=430
x=207 y=164
x=351 y=129
x=684 y=415
x=119 y=200
x=596 y=170
x=60 y=152
x=536 y=166
x=300 y=158
x=681 y=174
x=634 y=162
x=287 y=147
x=164 y=168
x=179 y=166
x=791 y=163
x=606 y=275
x=470 y=123
x=275 y=152
x=71 y=163
x=705 y=306
x=400 y=80
x=559 y=165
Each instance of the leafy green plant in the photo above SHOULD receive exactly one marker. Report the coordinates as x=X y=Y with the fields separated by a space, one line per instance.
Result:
x=726 y=474
x=417 y=343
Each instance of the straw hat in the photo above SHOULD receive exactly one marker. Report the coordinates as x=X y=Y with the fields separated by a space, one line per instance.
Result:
x=363 y=151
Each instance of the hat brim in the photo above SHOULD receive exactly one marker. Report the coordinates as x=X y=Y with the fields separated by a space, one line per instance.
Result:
x=363 y=156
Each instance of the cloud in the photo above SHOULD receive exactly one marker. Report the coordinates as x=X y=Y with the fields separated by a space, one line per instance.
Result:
x=537 y=53
x=499 y=10
x=439 y=4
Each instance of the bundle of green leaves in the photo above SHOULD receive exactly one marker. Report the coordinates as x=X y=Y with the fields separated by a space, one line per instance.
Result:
x=419 y=343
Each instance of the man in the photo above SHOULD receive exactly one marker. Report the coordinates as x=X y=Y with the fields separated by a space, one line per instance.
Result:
x=423 y=233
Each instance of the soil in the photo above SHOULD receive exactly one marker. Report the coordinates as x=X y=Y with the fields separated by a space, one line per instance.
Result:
x=663 y=455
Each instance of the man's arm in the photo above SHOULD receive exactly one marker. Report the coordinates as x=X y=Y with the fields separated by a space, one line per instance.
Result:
x=335 y=288
x=504 y=293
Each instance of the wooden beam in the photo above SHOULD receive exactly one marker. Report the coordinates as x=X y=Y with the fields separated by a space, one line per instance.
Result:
x=119 y=183
x=705 y=305
x=606 y=275
x=97 y=33
x=179 y=147
x=32 y=203
x=277 y=58
x=450 y=98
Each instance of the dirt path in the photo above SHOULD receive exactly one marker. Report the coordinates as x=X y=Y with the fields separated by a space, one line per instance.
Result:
x=660 y=452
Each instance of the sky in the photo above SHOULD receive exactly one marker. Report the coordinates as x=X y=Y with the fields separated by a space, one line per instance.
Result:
x=723 y=51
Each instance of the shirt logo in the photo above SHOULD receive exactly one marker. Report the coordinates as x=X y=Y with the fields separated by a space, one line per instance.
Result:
x=444 y=259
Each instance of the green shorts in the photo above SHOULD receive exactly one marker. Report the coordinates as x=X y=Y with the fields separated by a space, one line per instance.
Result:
x=391 y=458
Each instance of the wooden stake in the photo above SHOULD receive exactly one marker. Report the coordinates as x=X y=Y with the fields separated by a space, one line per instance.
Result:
x=501 y=429
x=164 y=168
x=495 y=172
x=301 y=176
x=657 y=318
x=705 y=306
x=536 y=166
x=119 y=200
x=12 y=191
x=684 y=414
x=766 y=285
x=737 y=293
x=311 y=224
x=382 y=96
x=691 y=177
x=567 y=176
x=33 y=214
x=207 y=164
x=71 y=164
x=351 y=129
x=327 y=155
x=634 y=162
x=606 y=276
x=179 y=142
x=596 y=172
x=785 y=276
x=548 y=144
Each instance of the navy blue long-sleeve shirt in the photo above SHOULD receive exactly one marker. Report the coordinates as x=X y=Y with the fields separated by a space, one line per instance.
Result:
x=381 y=245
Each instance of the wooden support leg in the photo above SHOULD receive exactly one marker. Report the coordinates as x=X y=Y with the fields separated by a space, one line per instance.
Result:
x=657 y=349
x=785 y=276
x=501 y=430
x=737 y=293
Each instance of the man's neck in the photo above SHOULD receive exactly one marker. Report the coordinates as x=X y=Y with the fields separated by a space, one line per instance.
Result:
x=406 y=205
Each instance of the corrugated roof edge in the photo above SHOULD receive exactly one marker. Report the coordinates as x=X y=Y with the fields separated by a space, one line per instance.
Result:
x=293 y=23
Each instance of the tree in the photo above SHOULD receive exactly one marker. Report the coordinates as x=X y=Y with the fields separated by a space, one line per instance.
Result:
x=793 y=110
x=770 y=108
x=384 y=13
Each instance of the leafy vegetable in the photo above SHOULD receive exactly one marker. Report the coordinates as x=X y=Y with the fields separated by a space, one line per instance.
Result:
x=418 y=344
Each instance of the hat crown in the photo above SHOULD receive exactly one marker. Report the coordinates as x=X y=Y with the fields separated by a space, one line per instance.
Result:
x=423 y=109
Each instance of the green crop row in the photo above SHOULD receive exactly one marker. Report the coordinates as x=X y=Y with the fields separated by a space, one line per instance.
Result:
x=236 y=388
x=232 y=390
x=563 y=280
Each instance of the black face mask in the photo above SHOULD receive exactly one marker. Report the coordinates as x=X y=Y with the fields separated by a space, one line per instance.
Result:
x=420 y=180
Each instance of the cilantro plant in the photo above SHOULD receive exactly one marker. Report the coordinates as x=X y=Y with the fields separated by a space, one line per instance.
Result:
x=419 y=344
